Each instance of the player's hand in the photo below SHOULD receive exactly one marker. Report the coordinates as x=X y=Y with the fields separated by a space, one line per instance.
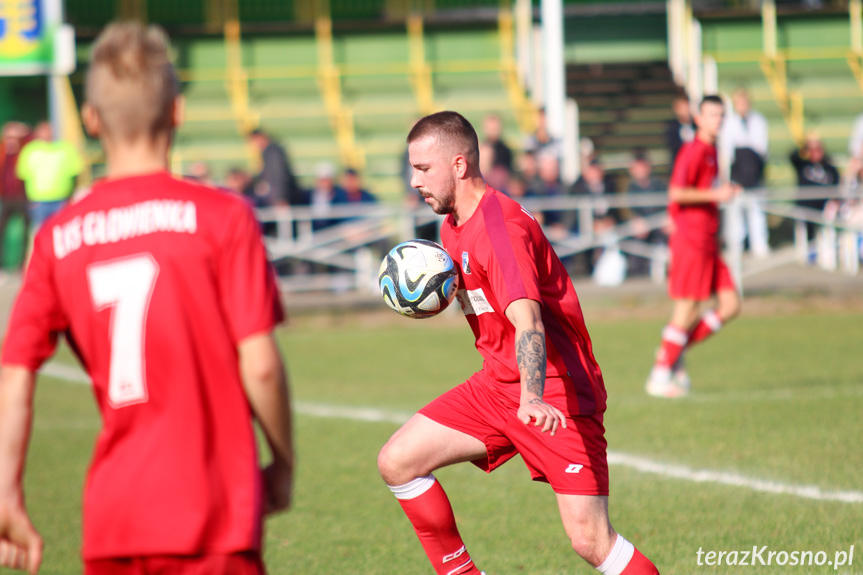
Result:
x=547 y=416
x=279 y=484
x=20 y=543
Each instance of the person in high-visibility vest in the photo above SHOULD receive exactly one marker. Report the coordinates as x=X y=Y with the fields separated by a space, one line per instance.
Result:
x=49 y=169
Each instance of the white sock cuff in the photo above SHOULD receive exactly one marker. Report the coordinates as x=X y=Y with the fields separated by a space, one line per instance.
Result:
x=413 y=489
x=619 y=557
x=712 y=319
x=675 y=335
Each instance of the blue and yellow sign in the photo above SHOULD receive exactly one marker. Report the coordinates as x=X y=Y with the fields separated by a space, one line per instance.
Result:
x=26 y=44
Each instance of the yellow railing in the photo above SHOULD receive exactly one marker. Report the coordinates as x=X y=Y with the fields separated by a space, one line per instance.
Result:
x=774 y=63
x=776 y=72
x=420 y=71
x=855 y=56
x=223 y=15
x=330 y=83
x=525 y=111
x=237 y=82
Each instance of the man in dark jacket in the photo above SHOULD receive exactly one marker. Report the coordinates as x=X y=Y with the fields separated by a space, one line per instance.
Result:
x=276 y=184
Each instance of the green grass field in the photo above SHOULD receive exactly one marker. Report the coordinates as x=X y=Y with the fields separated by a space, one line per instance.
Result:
x=778 y=397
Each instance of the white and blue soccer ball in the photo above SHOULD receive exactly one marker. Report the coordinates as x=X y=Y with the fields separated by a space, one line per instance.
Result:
x=418 y=279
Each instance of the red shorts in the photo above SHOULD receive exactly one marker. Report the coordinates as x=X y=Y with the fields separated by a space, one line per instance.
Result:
x=573 y=461
x=696 y=272
x=246 y=563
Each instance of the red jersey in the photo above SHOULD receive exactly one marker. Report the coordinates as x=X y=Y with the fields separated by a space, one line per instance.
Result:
x=155 y=281
x=504 y=257
x=695 y=167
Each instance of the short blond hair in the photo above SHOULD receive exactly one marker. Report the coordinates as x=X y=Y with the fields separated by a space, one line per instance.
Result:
x=131 y=83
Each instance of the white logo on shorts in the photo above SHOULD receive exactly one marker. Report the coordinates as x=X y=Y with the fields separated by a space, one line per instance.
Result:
x=573 y=468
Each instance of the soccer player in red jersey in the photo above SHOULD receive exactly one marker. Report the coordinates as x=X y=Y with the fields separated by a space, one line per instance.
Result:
x=697 y=271
x=540 y=392
x=163 y=291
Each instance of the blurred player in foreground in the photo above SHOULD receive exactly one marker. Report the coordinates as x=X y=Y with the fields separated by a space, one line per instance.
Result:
x=697 y=271
x=540 y=392
x=164 y=292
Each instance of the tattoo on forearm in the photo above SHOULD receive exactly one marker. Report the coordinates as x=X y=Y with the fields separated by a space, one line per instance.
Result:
x=530 y=355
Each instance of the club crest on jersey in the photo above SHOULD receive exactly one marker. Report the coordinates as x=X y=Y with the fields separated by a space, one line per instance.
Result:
x=465 y=263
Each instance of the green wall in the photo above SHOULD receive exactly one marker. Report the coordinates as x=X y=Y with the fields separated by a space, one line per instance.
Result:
x=641 y=38
x=23 y=99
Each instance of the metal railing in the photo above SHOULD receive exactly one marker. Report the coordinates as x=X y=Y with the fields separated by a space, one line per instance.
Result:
x=338 y=248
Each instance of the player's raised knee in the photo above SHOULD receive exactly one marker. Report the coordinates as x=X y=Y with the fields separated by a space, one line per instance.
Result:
x=392 y=463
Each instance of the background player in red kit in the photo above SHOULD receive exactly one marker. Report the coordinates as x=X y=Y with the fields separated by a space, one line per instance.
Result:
x=164 y=292
x=697 y=271
x=540 y=392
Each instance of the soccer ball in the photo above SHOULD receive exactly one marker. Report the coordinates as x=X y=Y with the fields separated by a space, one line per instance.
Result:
x=418 y=279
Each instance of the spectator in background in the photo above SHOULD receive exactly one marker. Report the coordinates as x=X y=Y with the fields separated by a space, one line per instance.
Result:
x=855 y=152
x=13 y=198
x=322 y=196
x=548 y=171
x=517 y=188
x=642 y=181
x=743 y=144
x=200 y=172
x=596 y=184
x=240 y=182
x=682 y=128
x=352 y=190
x=528 y=167
x=492 y=128
x=276 y=184
x=49 y=169
x=542 y=142
x=813 y=168
x=496 y=175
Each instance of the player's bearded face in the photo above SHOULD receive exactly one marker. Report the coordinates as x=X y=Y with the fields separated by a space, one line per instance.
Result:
x=432 y=176
x=445 y=199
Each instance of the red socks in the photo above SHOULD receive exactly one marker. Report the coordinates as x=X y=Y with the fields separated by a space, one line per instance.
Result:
x=674 y=340
x=429 y=511
x=710 y=323
x=639 y=565
x=625 y=559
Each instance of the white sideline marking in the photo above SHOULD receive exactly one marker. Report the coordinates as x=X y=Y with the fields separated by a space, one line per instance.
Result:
x=370 y=414
x=641 y=464
x=645 y=465
x=779 y=394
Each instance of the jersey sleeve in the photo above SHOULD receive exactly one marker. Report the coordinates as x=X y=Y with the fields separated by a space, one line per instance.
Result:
x=685 y=172
x=250 y=297
x=512 y=260
x=37 y=317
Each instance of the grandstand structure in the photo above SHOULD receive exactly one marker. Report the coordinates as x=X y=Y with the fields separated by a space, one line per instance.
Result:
x=334 y=80
x=343 y=80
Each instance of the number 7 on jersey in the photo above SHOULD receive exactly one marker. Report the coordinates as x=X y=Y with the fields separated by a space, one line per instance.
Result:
x=125 y=285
